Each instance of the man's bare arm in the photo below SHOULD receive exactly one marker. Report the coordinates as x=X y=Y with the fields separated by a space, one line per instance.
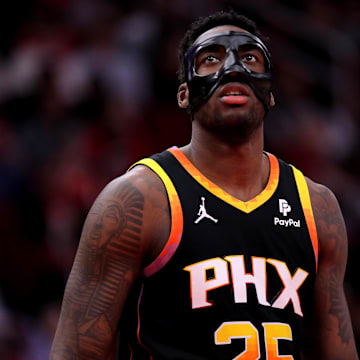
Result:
x=332 y=335
x=115 y=240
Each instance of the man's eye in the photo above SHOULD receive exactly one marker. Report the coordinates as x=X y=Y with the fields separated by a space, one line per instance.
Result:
x=249 y=58
x=211 y=58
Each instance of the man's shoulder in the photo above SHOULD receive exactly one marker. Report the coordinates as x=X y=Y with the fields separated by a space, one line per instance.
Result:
x=328 y=216
x=320 y=194
x=139 y=177
x=324 y=204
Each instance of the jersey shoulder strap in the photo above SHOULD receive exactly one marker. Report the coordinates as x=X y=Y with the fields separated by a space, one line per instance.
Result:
x=176 y=216
x=305 y=200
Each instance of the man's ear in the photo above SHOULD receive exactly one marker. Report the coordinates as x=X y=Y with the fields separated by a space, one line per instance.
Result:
x=183 y=96
x=272 y=99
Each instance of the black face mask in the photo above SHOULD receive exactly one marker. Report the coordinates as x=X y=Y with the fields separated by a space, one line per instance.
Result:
x=233 y=69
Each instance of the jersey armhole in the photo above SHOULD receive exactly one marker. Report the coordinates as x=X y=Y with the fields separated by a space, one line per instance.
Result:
x=176 y=219
x=307 y=209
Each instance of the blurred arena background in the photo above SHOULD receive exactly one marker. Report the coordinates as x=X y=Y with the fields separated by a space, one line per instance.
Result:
x=89 y=86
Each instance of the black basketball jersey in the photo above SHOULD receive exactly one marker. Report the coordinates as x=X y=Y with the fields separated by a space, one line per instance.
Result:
x=235 y=278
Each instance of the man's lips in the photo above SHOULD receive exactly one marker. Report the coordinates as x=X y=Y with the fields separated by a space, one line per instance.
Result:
x=234 y=99
x=234 y=94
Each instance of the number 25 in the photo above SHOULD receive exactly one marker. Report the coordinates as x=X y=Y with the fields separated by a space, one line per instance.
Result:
x=246 y=330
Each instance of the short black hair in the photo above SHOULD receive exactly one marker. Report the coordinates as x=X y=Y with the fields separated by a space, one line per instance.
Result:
x=204 y=23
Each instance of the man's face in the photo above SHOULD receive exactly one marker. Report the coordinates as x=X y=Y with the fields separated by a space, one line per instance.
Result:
x=233 y=101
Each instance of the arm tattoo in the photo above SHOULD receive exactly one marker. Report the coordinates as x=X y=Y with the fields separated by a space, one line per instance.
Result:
x=337 y=309
x=103 y=269
x=332 y=227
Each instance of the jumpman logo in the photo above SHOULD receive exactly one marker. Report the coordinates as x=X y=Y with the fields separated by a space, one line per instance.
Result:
x=203 y=214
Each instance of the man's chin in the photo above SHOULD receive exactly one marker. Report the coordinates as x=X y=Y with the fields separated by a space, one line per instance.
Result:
x=228 y=119
x=234 y=127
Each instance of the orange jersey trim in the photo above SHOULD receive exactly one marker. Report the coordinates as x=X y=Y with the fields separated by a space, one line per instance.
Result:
x=245 y=206
x=307 y=208
x=177 y=220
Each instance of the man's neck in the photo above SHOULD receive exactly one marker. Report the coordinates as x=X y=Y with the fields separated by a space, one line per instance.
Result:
x=240 y=168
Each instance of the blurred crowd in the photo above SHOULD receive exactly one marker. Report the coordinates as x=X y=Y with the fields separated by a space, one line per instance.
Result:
x=87 y=87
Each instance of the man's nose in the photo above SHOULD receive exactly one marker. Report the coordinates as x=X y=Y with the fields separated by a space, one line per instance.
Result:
x=233 y=65
x=232 y=58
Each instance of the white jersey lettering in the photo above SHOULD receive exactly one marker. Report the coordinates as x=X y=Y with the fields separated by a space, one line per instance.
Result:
x=240 y=279
x=291 y=286
x=199 y=283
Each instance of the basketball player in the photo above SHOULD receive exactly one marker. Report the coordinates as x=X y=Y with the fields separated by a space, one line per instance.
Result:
x=216 y=250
